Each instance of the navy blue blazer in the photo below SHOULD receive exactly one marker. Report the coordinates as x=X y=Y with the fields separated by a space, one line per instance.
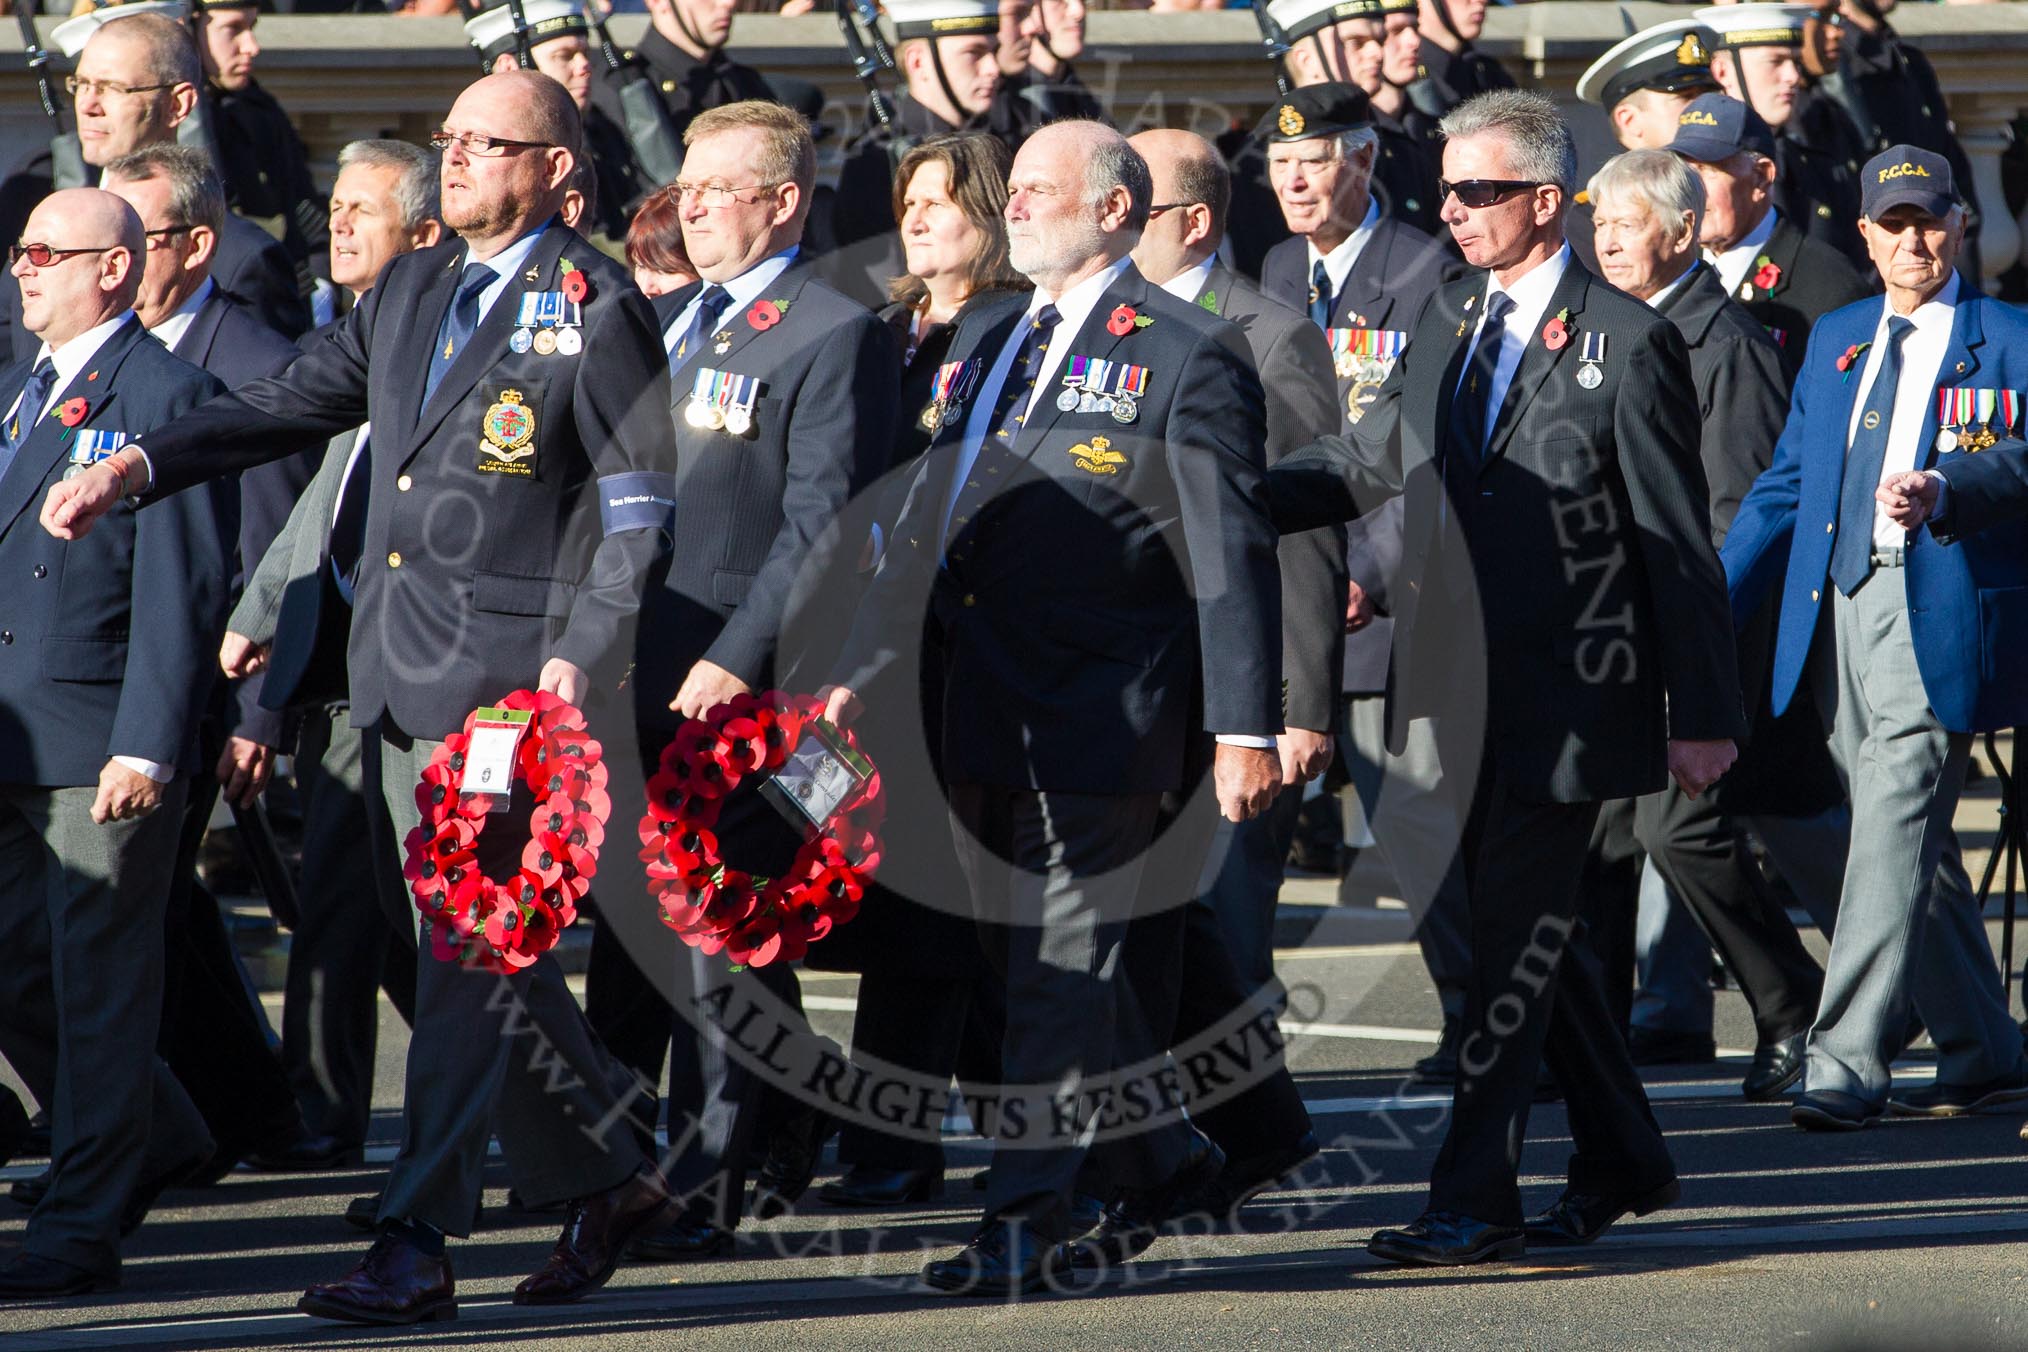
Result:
x=750 y=505
x=1967 y=602
x=1121 y=601
x=108 y=645
x=227 y=340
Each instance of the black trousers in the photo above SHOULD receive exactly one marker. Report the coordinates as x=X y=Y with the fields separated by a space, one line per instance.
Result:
x=1703 y=858
x=213 y=1035
x=1536 y=997
x=1092 y=981
x=937 y=1028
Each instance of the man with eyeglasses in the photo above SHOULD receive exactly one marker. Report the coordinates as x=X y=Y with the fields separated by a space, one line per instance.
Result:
x=136 y=84
x=483 y=561
x=1786 y=279
x=784 y=409
x=1562 y=613
x=105 y=667
x=261 y=159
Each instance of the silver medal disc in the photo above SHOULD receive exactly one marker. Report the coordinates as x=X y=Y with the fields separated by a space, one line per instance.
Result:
x=1124 y=409
x=1946 y=441
x=569 y=342
x=522 y=340
x=698 y=414
x=1589 y=376
x=738 y=420
x=1067 y=401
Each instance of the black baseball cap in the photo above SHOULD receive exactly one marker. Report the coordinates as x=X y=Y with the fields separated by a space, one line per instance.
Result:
x=1905 y=176
x=1716 y=127
x=1315 y=110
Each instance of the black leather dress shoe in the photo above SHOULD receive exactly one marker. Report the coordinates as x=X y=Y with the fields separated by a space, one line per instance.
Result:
x=30 y=1276
x=791 y=1163
x=866 y=1186
x=1445 y=1239
x=1002 y=1260
x=1134 y=1219
x=1666 y=1047
x=1830 y=1110
x=684 y=1240
x=1579 y=1218
x=364 y=1212
x=1440 y=1067
x=1955 y=1100
x=1241 y=1180
x=396 y=1283
x=1776 y=1066
x=596 y=1231
x=303 y=1153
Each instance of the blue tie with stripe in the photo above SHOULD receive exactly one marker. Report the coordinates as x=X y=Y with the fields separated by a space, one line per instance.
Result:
x=1852 y=556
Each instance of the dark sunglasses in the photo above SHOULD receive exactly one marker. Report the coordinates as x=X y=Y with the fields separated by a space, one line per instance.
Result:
x=42 y=255
x=1483 y=192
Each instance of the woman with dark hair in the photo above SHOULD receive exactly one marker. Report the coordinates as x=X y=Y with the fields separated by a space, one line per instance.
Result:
x=949 y=193
x=655 y=246
x=927 y=1003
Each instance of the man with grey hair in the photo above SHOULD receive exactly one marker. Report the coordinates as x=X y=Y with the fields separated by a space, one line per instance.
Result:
x=352 y=934
x=1104 y=445
x=1646 y=209
x=136 y=85
x=1540 y=430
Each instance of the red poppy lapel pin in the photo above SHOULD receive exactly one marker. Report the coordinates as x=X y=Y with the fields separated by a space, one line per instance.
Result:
x=1557 y=331
x=1851 y=355
x=73 y=412
x=765 y=314
x=1767 y=273
x=576 y=286
x=1124 y=320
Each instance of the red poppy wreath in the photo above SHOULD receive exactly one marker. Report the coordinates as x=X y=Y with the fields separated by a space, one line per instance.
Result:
x=504 y=925
x=717 y=908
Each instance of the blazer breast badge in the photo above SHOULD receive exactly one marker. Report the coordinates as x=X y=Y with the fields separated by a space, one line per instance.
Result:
x=509 y=432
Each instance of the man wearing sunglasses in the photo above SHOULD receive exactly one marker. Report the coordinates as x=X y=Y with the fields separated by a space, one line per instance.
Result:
x=1541 y=429
x=136 y=84
x=106 y=670
x=485 y=560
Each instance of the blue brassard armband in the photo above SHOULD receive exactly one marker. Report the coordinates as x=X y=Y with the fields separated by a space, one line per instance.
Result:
x=642 y=500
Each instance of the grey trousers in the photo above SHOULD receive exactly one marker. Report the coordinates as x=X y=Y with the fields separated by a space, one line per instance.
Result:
x=1418 y=828
x=1904 y=931
x=344 y=948
x=516 y=1043
x=81 y=922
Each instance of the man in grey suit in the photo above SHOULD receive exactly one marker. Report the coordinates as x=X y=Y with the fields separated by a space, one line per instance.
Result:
x=343 y=950
x=1228 y=948
x=103 y=675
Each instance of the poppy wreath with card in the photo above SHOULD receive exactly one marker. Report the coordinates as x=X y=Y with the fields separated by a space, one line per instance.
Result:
x=717 y=908
x=504 y=925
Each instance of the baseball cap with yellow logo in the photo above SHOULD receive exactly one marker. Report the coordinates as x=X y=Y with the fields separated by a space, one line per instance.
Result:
x=1904 y=176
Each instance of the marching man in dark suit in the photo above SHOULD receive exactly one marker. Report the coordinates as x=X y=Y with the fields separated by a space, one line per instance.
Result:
x=533 y=588
x=105 y=667
x=1228 y=938
x=1541 y=429
x=1925 y=647
x=785 y=395
x=1362 y=278
x=1099 y=452
x=1784 y=278
x=1645 y=208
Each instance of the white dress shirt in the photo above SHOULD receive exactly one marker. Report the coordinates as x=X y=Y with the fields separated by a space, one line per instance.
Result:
x=1656 y=301
x=1530 y=293
x=1922 y=354
x=1736 y=264
x=744 y=290
x=1072 y=308
x=1189 y=284
x=1339 y=262
x=171 y=330
x=70 y=362
x=505 y=264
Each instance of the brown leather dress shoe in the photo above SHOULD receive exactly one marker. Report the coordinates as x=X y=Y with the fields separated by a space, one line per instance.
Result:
x=596 y=1231
x=396 y=1283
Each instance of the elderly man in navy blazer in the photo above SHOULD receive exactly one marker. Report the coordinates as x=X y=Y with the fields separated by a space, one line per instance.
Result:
x=105 y=665
x=1926 y=646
